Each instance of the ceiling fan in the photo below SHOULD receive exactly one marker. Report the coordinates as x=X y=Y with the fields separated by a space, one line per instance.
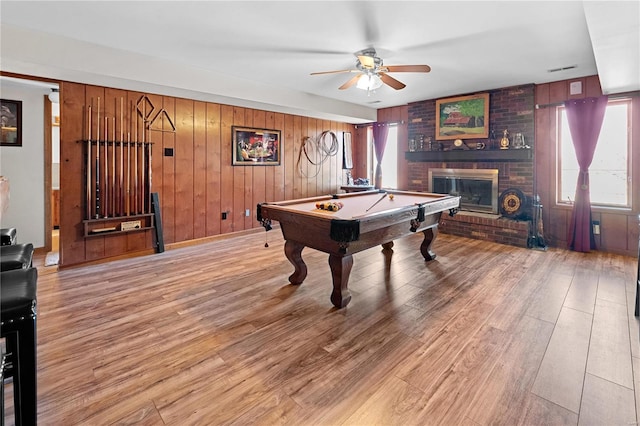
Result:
x=372 y=73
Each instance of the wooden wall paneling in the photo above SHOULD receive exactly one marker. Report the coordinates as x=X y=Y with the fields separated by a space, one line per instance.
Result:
x=279 y=171
x=296 y=146
x=239 y=185
x=558 y=91
x=213 y=169
x=303 y=163
x=322 y=186
x=157 y=137
x=335 y=167
x=333 y=163
x=269 y=172
x=288 y=153
x=227 y=171
x=137 y=241
x=72 y=164
x=312 y=170
x=200 y=164
x=592 y=87
x=614 y=232
x=253 y=178
x=168 y=189
x=94 y=247
x=256 y=187
x=360 y=152
x=184 y=169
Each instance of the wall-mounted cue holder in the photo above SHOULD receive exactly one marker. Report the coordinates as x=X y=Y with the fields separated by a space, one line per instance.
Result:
x=118 y=171
x=118 y=186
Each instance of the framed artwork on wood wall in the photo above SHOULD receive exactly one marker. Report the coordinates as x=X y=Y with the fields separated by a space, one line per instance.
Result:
x=256 y=147
x=463 y=117
x=11 y=120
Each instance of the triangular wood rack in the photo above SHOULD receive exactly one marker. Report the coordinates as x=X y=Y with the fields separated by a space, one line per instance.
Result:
x=164 y=113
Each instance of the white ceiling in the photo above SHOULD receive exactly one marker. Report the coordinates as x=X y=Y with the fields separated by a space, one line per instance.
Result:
x=260 y=54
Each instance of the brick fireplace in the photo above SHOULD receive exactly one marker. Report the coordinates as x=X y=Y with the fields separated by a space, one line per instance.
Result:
x=509 y=108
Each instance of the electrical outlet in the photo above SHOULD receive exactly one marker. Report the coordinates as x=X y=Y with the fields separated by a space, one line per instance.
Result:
x=596 y=227
x=247 y=212
x=224 y=215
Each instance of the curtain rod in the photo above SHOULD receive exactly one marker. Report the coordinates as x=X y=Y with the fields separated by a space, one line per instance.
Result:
x=390 y=123
x=615 y=96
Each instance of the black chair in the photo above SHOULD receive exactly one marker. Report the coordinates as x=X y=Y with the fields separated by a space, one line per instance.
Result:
x=18 y=324
x=7 y=236
x=17 y=256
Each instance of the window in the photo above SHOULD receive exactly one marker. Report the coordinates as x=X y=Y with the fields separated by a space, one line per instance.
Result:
x=610 y=170
x=389 y=159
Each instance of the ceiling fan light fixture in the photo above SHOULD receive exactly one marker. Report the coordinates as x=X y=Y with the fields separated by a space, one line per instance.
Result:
x=369 y=82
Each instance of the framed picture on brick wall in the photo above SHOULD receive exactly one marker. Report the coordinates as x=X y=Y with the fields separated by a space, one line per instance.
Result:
x=463 y=117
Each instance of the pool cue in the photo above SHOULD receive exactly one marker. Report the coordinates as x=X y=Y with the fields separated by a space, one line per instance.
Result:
x=135 y=170
x=144 y=130
x=149 y=171
x=98 y=163
x=374 y=204
x=106 y=169
x=113 y=169
x=128 y=186
x=89 y=162
x=121 y=192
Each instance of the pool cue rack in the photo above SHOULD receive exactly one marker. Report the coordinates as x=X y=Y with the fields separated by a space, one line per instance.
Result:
x=118 y=171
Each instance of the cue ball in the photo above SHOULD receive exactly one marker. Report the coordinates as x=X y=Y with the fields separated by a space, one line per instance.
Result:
x=391 y=197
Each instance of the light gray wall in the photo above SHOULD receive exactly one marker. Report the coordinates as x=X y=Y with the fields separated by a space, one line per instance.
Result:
x=24 y=166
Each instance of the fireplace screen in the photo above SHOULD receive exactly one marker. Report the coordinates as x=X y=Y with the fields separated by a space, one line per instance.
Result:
x=478 y=189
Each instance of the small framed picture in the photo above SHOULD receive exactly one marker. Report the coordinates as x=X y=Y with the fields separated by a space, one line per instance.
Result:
x=11 y=119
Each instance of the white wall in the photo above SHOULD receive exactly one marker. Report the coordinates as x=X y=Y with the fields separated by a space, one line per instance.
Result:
x=24 y=166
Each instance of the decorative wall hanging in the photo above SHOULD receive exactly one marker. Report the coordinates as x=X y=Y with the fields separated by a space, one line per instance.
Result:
x=463 y=117
x=11 y=120
x=256 y=147
x=348 y=151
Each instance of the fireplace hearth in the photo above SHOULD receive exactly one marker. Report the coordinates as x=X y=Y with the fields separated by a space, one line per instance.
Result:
x=477 y=188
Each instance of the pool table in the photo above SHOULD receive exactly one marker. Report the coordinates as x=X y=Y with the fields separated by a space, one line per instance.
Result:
x=364 y=220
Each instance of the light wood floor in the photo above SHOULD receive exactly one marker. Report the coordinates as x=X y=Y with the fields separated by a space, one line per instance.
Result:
x=213 y=334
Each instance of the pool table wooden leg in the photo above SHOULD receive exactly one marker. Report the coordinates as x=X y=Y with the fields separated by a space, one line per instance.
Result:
x=293 y=251
x=340 y=270
x=425 y=248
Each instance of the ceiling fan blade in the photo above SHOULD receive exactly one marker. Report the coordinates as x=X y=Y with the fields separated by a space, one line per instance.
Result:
x=390 y=81
x=367 y=61
x=350 y=83
x=332 y=72
x=407 y=68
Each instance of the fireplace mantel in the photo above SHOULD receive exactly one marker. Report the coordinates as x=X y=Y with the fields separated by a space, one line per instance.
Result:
x=475 y=155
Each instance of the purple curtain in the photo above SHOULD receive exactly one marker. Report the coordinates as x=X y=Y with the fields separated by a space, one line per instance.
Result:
x=585 y=118
x=380 y=132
